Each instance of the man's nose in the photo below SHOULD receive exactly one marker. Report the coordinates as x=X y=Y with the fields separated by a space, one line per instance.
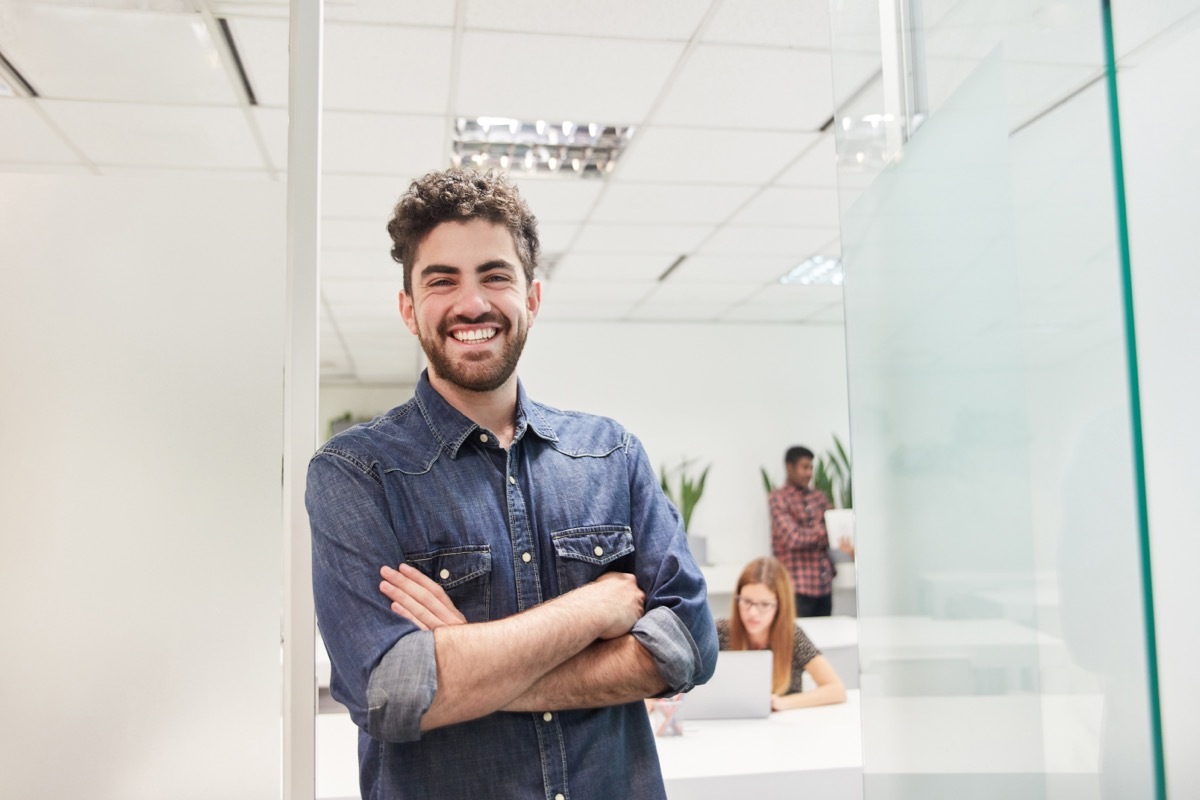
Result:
x=472 y=301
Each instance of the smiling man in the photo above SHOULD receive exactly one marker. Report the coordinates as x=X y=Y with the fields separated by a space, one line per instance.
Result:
x=499 y=583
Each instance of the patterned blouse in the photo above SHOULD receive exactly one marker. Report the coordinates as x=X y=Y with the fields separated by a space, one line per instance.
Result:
x=803 y=651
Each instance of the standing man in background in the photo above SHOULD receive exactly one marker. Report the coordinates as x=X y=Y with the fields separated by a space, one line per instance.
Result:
x=499 y=583
x=798 y=535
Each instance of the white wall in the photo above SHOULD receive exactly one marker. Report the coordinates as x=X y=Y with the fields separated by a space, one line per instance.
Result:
x=1160 y=114
x=363 y=401
x=735 y=396
x=141 y=547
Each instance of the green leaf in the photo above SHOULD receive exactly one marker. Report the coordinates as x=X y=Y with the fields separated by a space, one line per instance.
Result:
x=768 y=484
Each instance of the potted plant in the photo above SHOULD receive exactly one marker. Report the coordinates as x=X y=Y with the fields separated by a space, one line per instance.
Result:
x=690 y=490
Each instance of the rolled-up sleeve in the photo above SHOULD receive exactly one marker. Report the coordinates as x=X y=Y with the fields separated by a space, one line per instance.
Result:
x=383 y=666
x=677 y=628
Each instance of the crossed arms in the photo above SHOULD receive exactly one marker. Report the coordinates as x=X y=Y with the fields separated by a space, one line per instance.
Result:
x=572 y=652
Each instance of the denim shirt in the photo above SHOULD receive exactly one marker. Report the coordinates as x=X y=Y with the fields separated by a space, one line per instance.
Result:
x=426 y=485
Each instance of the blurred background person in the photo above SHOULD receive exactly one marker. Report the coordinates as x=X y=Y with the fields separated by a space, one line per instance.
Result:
x=763 y=619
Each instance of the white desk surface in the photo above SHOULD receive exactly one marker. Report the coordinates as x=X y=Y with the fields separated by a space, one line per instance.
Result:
x=802 y=739
x=794 y=751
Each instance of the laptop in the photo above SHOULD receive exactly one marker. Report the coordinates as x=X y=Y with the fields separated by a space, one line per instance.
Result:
x=740 y=688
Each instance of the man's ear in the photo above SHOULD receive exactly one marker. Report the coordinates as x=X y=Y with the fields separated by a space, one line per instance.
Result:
x=533 y=301
x=407 y=312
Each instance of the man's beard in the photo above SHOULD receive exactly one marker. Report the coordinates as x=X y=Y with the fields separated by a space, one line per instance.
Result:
x=484 y=374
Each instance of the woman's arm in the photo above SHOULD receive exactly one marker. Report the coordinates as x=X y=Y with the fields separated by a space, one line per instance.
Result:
x=829 y=688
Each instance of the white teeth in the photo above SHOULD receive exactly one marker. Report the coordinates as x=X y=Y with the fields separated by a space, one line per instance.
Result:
x=476 y=335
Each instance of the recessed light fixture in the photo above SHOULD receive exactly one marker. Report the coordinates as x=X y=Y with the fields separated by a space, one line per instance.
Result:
x=541 y=147
x=818 y=270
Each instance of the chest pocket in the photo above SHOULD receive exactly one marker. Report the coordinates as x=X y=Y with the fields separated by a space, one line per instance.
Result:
x=584 y=554
x=465 y=573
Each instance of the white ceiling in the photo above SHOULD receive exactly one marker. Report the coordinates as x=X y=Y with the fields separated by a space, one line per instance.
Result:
x=729 y=165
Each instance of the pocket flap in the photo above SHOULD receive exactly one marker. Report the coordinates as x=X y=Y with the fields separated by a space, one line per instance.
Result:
x=454 y=565
x=596 y=544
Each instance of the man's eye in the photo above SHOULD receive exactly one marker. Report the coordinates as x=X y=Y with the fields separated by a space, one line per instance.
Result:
x=498 y=278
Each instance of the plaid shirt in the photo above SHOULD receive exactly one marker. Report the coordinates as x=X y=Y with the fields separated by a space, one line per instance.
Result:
x=799 y=538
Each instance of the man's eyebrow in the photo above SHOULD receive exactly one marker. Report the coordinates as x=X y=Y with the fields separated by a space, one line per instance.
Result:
x=438 y=269
x=497 y=263
x=445 y=269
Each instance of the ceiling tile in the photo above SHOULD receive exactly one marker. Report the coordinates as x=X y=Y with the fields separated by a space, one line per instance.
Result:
x=786 y=206
x=817 y=167
x=26 y=138
x=671 y=292
x=640 y=239
x=561 y=78
x=699 y=155
x=354 y=234
x=382 y=144
x=361 y=264
x=598 y=267
x=560 y=200
x=662 y=19
x=46 y=169
x=778 y=23
x=130 y=56
x=583 y=310
x=343 y=292
x=364 y=196
x=263 y=47
x=727 y=86
x=670 y=203
x=273 y=125
x=833 y=314
x=566 y=291
x=785 y=240
x=372 y=68
x=718 y=269
x=749 y=312
x=146 y=135
x=689 y=312
x=793 y=295
x=555 y=236
x=406 y=12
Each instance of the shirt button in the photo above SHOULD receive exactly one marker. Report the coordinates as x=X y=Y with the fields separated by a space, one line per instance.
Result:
x=599 y=550
x=547 y=716
x=511 y=479
x=559 y=796
x=445 y=574
x=483 y=438
x=526 y=557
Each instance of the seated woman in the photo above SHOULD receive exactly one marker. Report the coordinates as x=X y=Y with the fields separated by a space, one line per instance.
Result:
x=764 y=620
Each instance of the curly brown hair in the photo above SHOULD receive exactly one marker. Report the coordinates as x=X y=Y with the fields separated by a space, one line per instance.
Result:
x=461 y=195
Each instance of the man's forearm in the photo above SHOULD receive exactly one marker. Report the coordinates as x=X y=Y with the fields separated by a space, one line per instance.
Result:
x=606 y=673
x=481 y=668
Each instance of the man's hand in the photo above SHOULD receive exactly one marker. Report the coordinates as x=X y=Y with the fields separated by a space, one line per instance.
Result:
x=619 y=595
x=418 y=598
x=846 y=546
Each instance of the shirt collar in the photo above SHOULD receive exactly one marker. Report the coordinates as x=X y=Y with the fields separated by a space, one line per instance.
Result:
x=451 y=427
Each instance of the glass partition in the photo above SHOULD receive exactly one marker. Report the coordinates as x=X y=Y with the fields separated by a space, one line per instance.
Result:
x=1004 y=629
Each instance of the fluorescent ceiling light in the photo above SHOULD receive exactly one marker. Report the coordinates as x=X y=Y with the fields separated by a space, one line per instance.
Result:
x=566 y=149
x=816 y=271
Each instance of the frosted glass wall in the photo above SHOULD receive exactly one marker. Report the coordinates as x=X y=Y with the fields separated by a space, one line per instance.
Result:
x=1003 y=632
x=140 y=548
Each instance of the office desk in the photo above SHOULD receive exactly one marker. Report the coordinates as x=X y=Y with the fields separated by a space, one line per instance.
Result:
x=803 y=753
x=806 y=752
x=837 y=639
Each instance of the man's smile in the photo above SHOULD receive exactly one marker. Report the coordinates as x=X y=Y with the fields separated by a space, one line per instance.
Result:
x=474 y=335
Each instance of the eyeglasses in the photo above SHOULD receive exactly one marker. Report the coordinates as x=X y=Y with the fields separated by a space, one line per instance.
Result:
x=759 y=605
